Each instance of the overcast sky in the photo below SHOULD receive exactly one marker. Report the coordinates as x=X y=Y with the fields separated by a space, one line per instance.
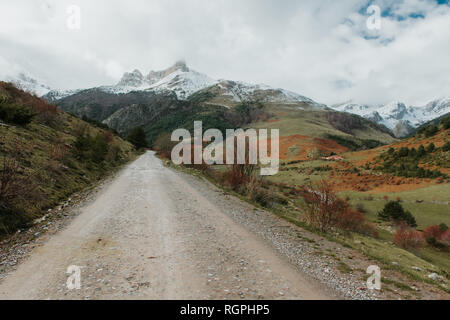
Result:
x=321 y=49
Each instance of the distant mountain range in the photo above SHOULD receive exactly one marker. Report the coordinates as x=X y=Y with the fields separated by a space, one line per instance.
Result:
x=398 y=117
x=184 y=82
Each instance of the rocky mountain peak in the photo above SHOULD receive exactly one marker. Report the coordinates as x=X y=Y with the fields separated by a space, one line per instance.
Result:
x=132 y=79
x=155 y=76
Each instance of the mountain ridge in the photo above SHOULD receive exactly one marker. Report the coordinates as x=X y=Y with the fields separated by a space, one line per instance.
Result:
x=400 y=118
x=396 y=115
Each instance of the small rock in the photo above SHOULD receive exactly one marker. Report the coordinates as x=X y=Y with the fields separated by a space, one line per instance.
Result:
x=416 y=268
x=435 y=277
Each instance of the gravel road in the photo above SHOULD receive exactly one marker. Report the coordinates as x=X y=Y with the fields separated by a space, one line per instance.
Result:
x=155 y=233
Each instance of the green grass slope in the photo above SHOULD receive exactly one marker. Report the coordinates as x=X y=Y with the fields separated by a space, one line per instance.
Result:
x=46 y=158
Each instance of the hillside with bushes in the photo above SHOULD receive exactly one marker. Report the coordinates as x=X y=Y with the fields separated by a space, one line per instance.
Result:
x=390 y=202
x=46 y=155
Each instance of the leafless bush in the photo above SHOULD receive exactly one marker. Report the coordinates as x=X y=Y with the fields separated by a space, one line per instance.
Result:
x=326 y=211
x=17 y=189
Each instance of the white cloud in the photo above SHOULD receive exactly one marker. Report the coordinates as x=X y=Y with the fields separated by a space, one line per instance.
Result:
x=316 y=48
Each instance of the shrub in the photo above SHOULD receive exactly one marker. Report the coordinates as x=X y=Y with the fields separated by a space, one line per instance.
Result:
x=262 y=196
x=351 y=220
x=45 y=113
x=446 y=146
x=81 y=147
x=326 y=210
x=239 y=175
x=16 y=113
x=431 y=147
x=446 y=123
x=324 y=207
x=407 y=238
x=445 y=239
x=114 y=153
x=137 y=138
x=99 y=148
x=430 y=131
x=16 y=188
x=91 y=148
x=58 y=149
x=421 y=151
x=393 y=210
x=361 y=208
x=163 y=145
x=437 y=236
x=433 y=232
x=403 y=152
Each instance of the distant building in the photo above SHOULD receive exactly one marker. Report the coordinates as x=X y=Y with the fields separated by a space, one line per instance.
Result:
x=333 y=158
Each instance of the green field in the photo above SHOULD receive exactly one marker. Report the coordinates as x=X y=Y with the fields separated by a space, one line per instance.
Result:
x=293 y=121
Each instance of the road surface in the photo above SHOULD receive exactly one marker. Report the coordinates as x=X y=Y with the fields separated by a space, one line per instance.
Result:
x=151 y=233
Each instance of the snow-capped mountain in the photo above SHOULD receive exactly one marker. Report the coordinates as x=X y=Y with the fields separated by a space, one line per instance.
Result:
x=178 y=78
x=54 y=95
x=237 y=91
x=396 y=115
x=28 y=84
x=185 y=82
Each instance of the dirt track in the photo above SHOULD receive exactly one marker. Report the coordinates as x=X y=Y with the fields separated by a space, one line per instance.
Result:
x=154 y=234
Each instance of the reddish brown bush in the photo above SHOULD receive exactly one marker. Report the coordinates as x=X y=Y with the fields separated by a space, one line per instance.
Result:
x=324 y=207
x=408 y=238
x=16 y=186
x=445 y=238
x=433 y=232
x=108 y=135
x=58 y=149
x=437 y=236
x=239 y=175
x=351 y=220
x=326 y=211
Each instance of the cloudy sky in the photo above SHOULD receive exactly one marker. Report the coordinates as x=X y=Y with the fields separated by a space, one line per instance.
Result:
x=331 y=51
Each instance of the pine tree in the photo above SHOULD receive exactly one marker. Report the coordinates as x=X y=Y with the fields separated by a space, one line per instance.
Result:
x=393 y=210
x=137 y=138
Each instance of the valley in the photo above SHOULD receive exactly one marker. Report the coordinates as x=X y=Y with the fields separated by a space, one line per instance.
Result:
x=363 y=165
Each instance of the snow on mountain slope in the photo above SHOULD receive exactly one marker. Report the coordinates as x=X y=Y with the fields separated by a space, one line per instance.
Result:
x=397 y=113
x=54 y=95
x=239 y=91
x=178 y=78
x=28 y=84
x=185 y=82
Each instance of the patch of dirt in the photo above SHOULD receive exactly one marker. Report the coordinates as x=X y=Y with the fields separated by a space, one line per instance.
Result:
x=298 y=147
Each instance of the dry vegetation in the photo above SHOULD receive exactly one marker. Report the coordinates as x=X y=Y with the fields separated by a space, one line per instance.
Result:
x=46 y=155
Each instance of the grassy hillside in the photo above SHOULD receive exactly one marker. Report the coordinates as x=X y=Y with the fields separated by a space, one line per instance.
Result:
x=161 y=113
x=46 y=155
x=365 y=181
